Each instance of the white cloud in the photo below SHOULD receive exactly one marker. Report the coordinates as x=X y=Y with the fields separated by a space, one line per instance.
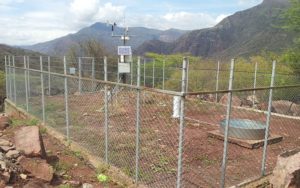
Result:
x=248 y=2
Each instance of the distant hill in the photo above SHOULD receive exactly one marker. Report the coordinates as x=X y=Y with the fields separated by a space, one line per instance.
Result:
x=102 y=33
x=241 y=34
x=9 y=50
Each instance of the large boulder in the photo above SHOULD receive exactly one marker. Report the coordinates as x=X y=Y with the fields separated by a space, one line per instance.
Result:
x=235 y=100
x=4 y=122
x=39 y=168
x=283 y=107
x=286 y=174
x=29 y=140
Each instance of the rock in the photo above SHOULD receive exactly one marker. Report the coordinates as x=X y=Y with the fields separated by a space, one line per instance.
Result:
x=264 y=107
x=1 y=156
x=4 y=122
x=36 y=184
x=287 y=171
x=283 y=107
x=29 y=140
x=23 y=176
x=3 y=165
x=12 y=154
x=7 y=148
x=295 y=109
x=252 y=98
x=235 y=100
x=207 y=97
x=4 y=142
x=5 y=176
x=87 y=185
x=37 y=167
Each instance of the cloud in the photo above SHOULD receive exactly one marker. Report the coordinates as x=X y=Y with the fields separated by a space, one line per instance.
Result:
x=87 y=13
x=248 y=2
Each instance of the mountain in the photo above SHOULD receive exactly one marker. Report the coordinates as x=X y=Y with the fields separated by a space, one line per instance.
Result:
x=242 y=34
x=102 y=33
x=16 y=51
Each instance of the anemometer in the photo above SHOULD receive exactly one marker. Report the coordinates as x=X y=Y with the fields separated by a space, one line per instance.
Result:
x=124 y=53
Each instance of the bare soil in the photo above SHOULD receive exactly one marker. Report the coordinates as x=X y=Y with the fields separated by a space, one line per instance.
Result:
x=159 y=134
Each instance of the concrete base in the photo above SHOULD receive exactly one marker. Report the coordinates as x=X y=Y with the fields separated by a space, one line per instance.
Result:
x=250 y=144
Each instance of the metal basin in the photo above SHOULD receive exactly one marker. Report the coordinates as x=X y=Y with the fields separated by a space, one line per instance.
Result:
x=244 y=129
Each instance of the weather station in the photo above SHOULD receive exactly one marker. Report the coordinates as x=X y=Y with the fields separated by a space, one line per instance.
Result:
x=124 y=53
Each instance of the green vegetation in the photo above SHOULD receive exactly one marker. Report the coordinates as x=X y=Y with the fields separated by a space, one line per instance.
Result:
x=26 y=122
x=292 y=23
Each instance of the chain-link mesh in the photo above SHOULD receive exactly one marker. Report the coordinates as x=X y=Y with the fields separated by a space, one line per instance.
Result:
x=74 y=105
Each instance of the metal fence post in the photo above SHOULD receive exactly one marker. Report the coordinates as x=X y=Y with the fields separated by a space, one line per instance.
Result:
x=144 y=72
x=263 y=165
x=93 y=74
x=66 y=97
x=254 y=85
x=42 y=89
x=106 y=110
x=26 y=83
x=217 y=80
x=228 y=114
x=6 y=76
x=28 y=76
x=10 y=78
x=137 y=146
x=14 y=75
x=80 y=75
x=49 y=76
x=131 y=73
x=181 y=124
x=163 y=84
x=153 y=74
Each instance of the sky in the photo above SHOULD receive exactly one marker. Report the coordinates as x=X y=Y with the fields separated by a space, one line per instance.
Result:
x=26 y=22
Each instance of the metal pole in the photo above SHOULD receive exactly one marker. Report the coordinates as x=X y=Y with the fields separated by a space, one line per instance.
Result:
x=153 y=74
x=42 y=89
x=106 y=110
x=263 y=166
x=14 y=73
x=93 y=74
x=217 y=80
x=66 y=97
x=28 y=76
x=181 y=124
x=254 y=85
x=187 y=78
x=10 y=78
x=163 y=84
x=49 y=76
x=6 y=75
x=144 y=72
x=26 y=83
x=137 y=146
x=131 y=73
x=80 y=75
x=228 y=114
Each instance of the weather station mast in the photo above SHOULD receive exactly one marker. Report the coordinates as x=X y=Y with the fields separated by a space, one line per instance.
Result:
x=124 y=53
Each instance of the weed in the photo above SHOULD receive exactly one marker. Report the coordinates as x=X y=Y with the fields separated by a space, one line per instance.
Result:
x=205 y=160
x=103 y=168
x=20 y=122
x=61 y=167
x=43 y=130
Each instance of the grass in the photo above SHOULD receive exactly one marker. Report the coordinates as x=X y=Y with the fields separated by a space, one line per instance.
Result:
x=27 y=122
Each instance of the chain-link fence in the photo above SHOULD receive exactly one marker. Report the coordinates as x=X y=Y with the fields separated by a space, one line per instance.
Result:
x=157 y=128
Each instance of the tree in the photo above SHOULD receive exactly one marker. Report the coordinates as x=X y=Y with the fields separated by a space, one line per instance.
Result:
x=292 y=23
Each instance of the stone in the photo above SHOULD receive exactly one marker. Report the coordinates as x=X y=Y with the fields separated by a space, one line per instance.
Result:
x=235 y=100
x=87 y=185
x=3 y=165
x=39 y=168
x=5 y=176
x=207 y=97
x=7 y=148
x=252 y=98
x=29 y=140
x=283 y=107
x=4 y=122
x=12 y=154
x=286 y=173
x=36 y=184
x=4 y=142
x=23 y=176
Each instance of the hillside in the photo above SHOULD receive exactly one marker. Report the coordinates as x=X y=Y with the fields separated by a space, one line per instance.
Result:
x=102 y=33
x=241 y=34
x=8 y=50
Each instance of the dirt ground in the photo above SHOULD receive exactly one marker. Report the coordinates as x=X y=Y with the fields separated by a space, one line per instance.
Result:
x=70 y=167
x=159 y=134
